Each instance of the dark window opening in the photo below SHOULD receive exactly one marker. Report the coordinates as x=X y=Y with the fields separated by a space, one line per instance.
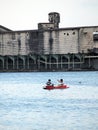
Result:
x=13 y=36
x=95 y=37
x=73 y=33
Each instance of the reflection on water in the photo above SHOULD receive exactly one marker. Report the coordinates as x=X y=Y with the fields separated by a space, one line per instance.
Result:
x=25 y=105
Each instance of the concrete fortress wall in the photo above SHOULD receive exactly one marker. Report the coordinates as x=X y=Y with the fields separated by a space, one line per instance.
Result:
x=55 y=41
x=49 y=47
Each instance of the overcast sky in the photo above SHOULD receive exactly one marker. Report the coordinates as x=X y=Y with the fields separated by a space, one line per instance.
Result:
x=26 y=14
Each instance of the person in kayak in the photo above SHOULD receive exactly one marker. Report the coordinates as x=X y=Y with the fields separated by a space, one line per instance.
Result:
x=49 y=83
x=60 y=82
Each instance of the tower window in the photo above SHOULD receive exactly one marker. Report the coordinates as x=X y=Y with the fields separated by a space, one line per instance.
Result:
x=95 y=36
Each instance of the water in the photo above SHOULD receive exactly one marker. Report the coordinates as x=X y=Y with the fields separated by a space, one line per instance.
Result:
x=25 y=105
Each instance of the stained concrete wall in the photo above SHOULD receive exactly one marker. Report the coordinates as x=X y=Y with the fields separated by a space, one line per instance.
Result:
x=72 y=40
x=18 y=43
x=52 y=41
x=86 y=40
x=61 y=41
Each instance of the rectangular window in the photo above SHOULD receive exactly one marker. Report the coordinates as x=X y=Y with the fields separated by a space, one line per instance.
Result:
x=95 y=36
x=13 y=36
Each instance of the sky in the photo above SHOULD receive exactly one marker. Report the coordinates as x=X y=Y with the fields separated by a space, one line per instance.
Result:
x=26 y=14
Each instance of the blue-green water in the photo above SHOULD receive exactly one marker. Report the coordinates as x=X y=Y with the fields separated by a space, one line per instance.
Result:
x=25 y=105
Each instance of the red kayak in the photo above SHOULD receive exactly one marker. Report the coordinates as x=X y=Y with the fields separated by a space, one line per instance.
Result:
x=56 y=87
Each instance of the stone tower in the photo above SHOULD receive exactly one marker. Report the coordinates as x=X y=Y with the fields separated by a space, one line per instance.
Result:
x=54 y=18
